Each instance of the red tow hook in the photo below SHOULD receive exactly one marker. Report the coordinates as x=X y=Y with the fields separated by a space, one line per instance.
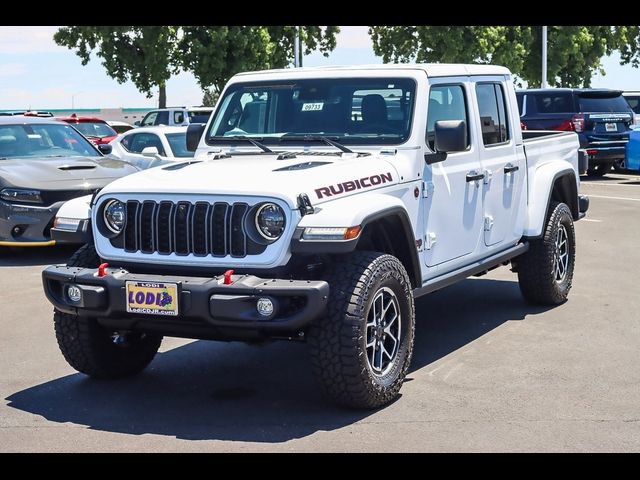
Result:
x=227 y=277
x=102 y=270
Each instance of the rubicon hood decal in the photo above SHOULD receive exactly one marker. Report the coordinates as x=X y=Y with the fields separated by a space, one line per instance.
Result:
x=351 y=185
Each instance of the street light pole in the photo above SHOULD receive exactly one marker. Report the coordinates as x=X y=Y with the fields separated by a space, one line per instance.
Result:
x=296 y=45
x=543 y=84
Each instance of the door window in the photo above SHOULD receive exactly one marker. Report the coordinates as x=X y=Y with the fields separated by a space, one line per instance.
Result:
x=446 y=102
x=493 y=117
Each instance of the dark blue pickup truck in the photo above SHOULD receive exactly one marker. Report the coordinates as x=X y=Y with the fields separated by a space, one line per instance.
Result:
x=602 y=119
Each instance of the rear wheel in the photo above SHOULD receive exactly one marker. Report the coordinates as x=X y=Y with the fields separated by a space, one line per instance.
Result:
x=545 y=272
x=600 y=169
x=95 y=350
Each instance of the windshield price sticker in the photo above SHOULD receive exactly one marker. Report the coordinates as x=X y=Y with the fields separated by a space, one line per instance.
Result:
x=312 y=107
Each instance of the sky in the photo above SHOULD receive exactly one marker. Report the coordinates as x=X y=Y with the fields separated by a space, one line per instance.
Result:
x=36 y=73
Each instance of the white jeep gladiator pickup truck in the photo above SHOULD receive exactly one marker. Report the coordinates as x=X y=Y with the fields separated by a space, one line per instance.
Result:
x=320 y=203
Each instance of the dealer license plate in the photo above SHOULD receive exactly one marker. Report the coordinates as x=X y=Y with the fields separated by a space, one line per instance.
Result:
x=611 y=127
x=151 y=298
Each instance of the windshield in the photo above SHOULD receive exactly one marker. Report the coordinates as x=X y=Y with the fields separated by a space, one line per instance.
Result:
x=43 y=140
x=355 y=110
x=178 y=143
x=95 y=129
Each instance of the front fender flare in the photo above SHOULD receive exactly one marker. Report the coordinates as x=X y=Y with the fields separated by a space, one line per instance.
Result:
x=352 y=212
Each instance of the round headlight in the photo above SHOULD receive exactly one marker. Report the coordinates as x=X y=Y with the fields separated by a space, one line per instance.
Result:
x=114 y=214
x=270 y=221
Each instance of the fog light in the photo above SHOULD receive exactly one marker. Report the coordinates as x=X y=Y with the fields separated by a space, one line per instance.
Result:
x=17 y=230
x=264 y=306
x=74 y=293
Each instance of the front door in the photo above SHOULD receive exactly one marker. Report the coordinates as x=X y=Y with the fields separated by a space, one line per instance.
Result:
x=452 y=198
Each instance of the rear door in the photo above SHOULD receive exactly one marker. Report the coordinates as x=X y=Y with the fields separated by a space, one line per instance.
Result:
x=502 y=161
x=607 y=117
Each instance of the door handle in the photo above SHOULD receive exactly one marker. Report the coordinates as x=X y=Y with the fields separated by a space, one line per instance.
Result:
x=510 y=168
x=474 y=176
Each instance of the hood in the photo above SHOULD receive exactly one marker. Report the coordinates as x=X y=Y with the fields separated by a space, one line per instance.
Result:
x=321 y=177
x=65 y=173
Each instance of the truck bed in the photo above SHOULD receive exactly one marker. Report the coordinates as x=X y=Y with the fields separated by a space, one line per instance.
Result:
x=544 y=146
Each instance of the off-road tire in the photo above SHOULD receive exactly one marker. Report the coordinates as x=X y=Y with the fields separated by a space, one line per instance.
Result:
x=89 y=347
x=338 y=341
x=537 y=267
x=86 y=256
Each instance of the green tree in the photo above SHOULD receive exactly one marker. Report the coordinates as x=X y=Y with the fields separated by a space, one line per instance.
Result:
x=209 y=97
x=216 y=53
x=574 y=52
x=147 y=56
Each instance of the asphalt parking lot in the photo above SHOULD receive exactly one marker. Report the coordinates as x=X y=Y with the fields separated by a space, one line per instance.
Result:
x=490 y=373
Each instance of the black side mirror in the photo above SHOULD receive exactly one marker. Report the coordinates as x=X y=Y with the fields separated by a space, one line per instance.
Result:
x=105 y=148
x=194 y=133
x=450 y=136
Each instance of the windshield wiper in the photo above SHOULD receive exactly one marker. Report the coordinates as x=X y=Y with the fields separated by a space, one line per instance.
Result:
x=243 y=138
x=315 y=138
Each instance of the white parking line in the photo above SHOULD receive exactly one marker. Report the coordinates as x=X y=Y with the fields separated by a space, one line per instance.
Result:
x=591 y=220
x=610 y=184
x=615 y=198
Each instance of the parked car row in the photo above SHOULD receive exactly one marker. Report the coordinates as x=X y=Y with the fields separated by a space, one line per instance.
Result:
x=43 y=163
x=144 y=147
x=602 y=118
x=50 y=167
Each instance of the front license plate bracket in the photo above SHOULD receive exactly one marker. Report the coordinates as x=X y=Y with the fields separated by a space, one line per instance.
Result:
x=152 y=298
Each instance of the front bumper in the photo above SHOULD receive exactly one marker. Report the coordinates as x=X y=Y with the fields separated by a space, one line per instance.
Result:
x=26 y=225
x=207 y=307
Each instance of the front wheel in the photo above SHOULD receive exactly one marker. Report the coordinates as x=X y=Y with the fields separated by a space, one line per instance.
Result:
x=95 y=350
x=361 y=351
x=545 y=272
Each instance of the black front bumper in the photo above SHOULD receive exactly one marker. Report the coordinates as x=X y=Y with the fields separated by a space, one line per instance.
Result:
x=207 y=308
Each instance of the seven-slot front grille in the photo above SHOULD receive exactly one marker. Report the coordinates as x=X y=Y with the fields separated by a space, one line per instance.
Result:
x=200 y=228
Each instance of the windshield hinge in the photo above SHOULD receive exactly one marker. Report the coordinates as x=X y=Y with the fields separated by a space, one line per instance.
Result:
x=304 y=205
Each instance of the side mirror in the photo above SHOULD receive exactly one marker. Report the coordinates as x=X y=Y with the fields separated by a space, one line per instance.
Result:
x=105 y=148
x=450 y=136
x=137 y=123
x=194 y=133
x=150 y=151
